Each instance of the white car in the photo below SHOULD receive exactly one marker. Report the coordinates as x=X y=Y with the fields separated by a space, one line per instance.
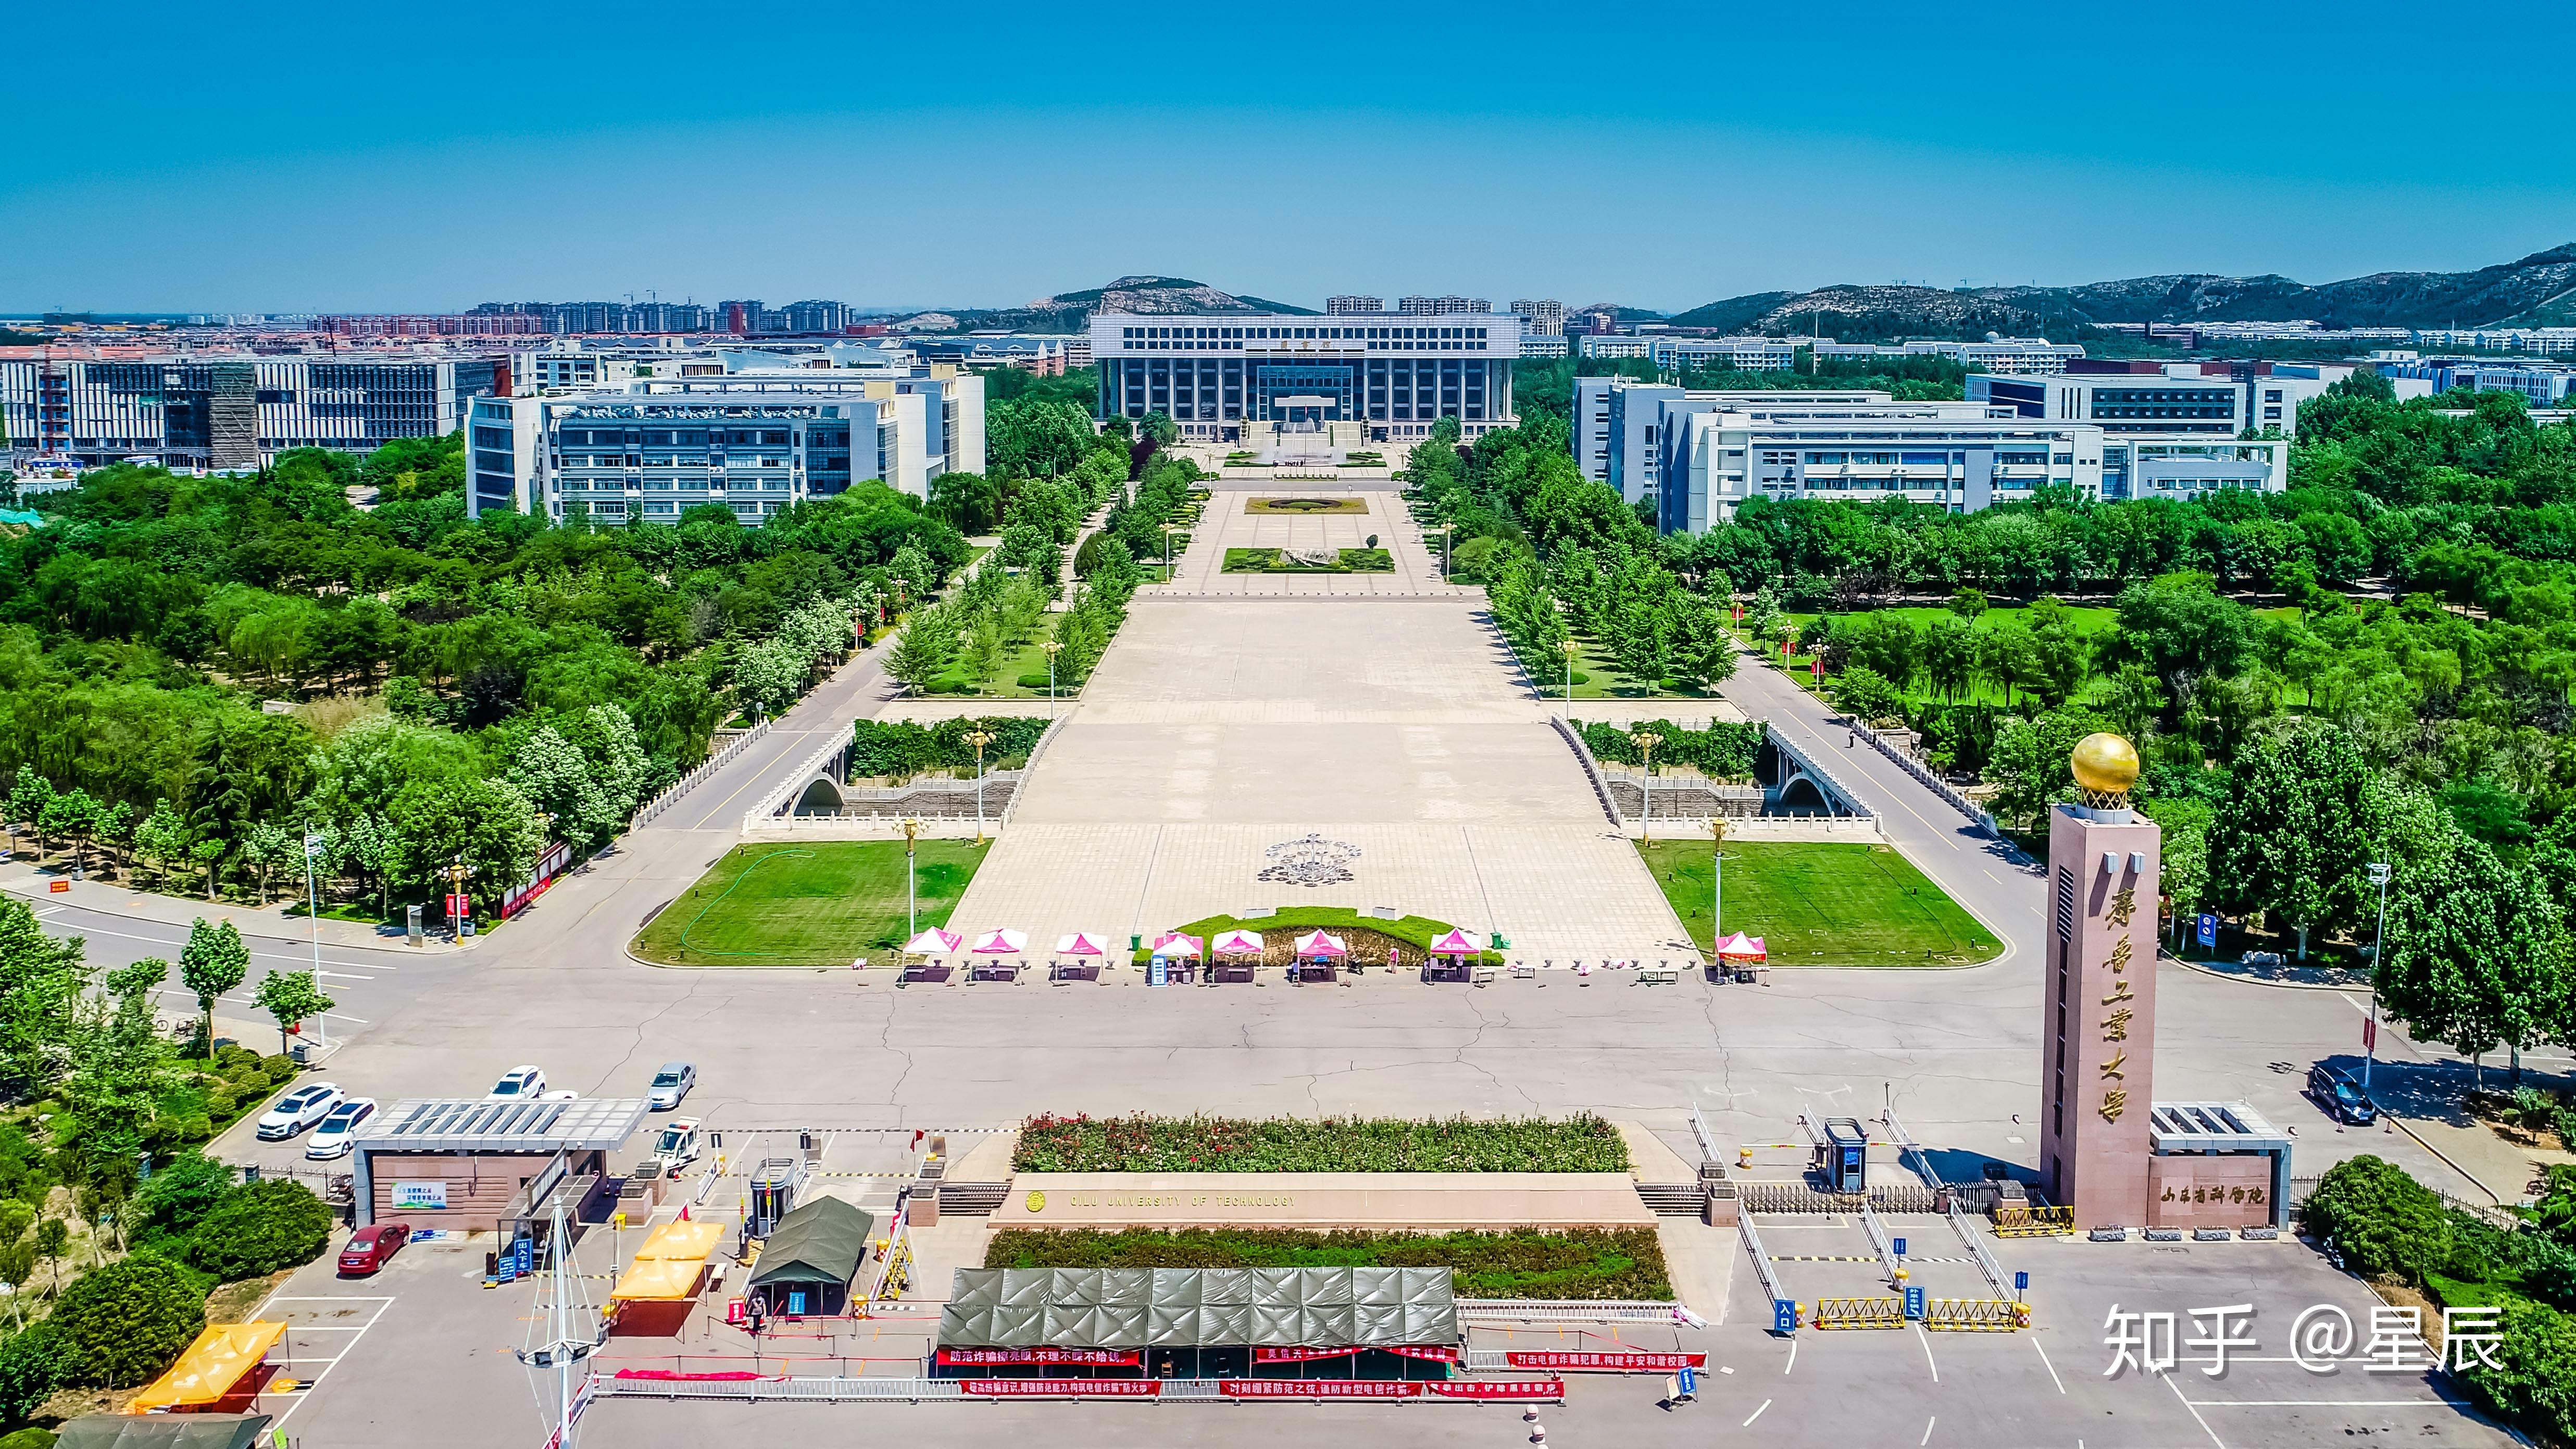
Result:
x=678 y=1144
x=561 y=1094
x=338 y=1132
x=670 y=1085
x=296 y=1110
x=517 y=1082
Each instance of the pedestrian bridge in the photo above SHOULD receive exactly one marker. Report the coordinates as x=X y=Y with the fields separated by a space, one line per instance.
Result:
x=1793 y=783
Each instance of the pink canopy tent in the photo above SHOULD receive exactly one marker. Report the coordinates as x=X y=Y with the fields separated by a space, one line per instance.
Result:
x=1239 y=943
x=1454 y=944
x=1173 y=943
x=1082 y=943
x=1002 y=943
x=1740 y=947
x=934 y=942
x=1319 y=944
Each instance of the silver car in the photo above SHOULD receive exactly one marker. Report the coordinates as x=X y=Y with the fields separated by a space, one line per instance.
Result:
x=670 y=1085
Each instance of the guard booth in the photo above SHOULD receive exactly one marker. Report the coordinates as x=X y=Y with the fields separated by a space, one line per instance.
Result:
x=774 y=1185
x=1199 y=1323
x=1846 y=1155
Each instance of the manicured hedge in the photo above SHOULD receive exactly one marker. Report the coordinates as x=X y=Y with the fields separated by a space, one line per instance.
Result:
x=902 y=748
x=1723 y=751
x=1332 y=1144
x=1580 y=1263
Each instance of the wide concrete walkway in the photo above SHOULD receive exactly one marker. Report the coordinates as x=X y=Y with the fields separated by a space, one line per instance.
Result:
x=1228 y=523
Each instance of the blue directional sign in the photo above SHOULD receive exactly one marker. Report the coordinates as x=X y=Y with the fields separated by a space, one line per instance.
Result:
x=2021 y=1282
x=1784 y=1315
x=1900 y=1247
x=2208 y=929
x=1914 y=1301
x=1690 y=1381
x=523 y=1254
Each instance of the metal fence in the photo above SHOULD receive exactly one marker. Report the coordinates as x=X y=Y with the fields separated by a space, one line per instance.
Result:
x=715 y=762
x=1950 y=794
x=1569 y=1310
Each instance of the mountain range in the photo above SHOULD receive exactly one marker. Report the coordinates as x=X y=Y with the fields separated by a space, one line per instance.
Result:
x=1071 y=311
x=2538 y=290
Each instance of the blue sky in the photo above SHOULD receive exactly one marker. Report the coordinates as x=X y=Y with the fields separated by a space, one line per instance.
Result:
x=290 y=157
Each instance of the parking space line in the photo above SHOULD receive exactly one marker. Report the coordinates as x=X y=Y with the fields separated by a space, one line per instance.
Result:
x=2195 y=1412
x=383 y=1306
x=2052 y=1368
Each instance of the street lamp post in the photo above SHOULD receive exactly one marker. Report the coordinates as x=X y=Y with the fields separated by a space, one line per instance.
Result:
x=911 y=897
x=979 y=739
x=1645 y=744
x=1568 y=647
x=1716 y=864
x=2380 y=874
x=1053 y=647
x=313 y=917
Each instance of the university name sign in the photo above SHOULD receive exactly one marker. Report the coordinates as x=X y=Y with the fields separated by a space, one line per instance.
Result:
x=1325 y=1200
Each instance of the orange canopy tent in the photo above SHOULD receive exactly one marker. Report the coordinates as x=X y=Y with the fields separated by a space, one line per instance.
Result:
x=211 y=1366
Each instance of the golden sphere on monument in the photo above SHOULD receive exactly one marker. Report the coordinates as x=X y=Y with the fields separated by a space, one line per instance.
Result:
x=2105 y=763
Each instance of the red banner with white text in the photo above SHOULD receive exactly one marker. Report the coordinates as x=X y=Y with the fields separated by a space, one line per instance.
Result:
x=1637 y=1363
x=1063 y=1388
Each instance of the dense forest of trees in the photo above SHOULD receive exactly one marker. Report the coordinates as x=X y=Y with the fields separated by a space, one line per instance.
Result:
x=2375 y=665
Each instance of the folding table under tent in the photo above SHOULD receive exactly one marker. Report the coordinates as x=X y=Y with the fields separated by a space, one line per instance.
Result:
x=1343 y=1323
x=1238 y=945
x=807 y=1261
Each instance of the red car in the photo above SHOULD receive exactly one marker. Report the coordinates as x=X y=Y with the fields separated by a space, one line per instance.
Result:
x=370 y=1247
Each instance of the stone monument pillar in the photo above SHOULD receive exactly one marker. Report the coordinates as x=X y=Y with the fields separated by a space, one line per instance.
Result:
x=2098 y=1036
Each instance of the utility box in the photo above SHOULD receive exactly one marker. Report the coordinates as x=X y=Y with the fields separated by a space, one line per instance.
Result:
x=1846 y=1155
x=1718 y=1205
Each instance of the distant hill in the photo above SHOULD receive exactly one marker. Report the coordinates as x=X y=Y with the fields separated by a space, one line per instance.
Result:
x=1071 y=311
x=2539 y=290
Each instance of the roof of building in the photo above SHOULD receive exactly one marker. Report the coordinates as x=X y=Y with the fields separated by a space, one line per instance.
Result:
x=1184 y=1307
x=2211 y=1127
x=821 y=1242
x=472 y=1124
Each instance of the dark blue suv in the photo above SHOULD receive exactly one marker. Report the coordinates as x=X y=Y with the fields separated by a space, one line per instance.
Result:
x=2341 y=1096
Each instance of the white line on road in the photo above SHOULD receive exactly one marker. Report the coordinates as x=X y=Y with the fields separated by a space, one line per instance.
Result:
x=2195 y=1414
x=1766 y=1403
x=1927 y=1431
x=2326 y=1403
x=1927 y=1352
x=383 y=1305
x=1793 y=1357
x=2052 y=1368
x=302 y=956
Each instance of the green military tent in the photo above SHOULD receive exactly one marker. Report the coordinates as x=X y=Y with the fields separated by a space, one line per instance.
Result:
x=807 y=1261
x=162 y=1431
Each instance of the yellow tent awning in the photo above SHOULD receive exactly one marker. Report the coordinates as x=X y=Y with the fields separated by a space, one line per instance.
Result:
x=661 y=1280
x=210 y=1367
x=691 y=1240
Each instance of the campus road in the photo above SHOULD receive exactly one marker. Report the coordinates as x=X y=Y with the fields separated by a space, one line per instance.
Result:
x=717 y=802
x=1981 y=873
x=367 y=985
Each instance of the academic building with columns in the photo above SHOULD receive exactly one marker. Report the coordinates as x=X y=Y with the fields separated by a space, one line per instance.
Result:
x=1245 y=377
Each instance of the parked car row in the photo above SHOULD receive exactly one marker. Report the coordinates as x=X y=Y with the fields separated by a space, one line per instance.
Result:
x=333 y=1116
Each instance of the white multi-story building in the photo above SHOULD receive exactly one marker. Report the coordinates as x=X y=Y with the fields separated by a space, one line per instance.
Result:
x=1440 y=306
x=1221 y=375
x=2544 y=384
x=1544 y=347
x=2022 y=355
x=199 y=412
x=1540 y=316
x=1353 y=306
x=2539 y=341
x=2217 y=399
x=755 y=440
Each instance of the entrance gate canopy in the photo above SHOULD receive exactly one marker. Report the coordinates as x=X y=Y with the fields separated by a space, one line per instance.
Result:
x=1198 y=1307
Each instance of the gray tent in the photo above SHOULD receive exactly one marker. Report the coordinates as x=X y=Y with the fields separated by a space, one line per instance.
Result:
x=1135 y=1308
x=162 y=1431
x=815 y=1251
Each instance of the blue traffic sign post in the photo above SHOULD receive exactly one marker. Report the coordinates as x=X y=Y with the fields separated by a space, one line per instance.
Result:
x=2207 y=930
x=1914 y=1302
x=1784 y=1315
x=1690 y=1382
x=2021 y=1284
x=1900 y=1247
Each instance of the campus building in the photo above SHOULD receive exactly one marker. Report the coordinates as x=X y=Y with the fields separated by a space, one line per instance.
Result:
x=2218 y=399
x=1232 y=376
x=189 y=412
x=2543 y=384
x=755 y=441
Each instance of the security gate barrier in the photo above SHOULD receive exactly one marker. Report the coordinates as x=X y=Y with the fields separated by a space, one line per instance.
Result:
x=1859 y=1313
x=1976 y=1315
x=2033 y=1222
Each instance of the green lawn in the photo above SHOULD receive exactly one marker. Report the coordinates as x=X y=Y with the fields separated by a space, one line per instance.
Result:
x=1305 y=505
x=1274 y=561
x=1018 y=663
x=824 y=903
x=1822 y=903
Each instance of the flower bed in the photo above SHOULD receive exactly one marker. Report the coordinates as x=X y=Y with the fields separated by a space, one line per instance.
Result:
x=1369 y=937
x=1583 y=1143
x=1525 y=1263
x=1305 y=505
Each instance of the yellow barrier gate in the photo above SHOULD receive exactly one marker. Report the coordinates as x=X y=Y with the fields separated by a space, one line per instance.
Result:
x=2038 y=1222
x=1859 y=1313
x=1976 y=1315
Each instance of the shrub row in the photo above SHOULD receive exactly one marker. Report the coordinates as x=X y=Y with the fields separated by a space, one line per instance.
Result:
x=1723 y=751
x=1583 y=1143
x=1526 y=1263
x=902 y=749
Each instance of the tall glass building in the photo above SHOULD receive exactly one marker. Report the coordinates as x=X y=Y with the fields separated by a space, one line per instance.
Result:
x=1232 y=376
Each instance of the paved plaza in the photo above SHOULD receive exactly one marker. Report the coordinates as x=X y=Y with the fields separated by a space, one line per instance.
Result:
x=1225 y=524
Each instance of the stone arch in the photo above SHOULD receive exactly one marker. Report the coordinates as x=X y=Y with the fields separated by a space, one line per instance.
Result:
x=821 y=796
x=1803 y=796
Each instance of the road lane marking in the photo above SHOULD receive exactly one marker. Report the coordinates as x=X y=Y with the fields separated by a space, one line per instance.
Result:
x=1927 y=1431
x=2052 y=1368
x=1766 y=1403
x=2195 y=1413
x=1793 y=1357
x=1927 y=1352
x=270 y=955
